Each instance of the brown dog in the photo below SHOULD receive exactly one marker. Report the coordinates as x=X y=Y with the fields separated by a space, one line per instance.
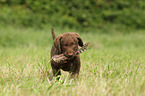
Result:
x=66 y=44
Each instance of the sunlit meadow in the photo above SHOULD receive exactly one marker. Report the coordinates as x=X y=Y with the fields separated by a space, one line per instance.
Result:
x=114 y=64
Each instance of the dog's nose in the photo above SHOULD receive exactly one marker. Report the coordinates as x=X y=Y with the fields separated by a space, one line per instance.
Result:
x=70 y=55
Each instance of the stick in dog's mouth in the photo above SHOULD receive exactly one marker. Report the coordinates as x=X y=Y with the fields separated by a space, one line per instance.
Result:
x=61 y=58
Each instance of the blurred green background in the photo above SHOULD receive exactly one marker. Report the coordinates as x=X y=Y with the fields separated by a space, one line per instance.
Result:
x=82 y=15
x=114 y=65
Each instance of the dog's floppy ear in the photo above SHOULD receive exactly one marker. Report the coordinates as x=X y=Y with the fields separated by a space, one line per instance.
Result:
x=79 y=38
x=57 y=43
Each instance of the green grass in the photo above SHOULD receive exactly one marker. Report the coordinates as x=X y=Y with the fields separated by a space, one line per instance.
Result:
x=114 y=65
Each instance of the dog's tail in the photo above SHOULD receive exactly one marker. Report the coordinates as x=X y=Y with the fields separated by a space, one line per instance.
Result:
x=53 y=34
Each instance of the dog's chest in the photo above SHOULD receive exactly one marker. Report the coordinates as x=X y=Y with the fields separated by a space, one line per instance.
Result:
x=67 y=66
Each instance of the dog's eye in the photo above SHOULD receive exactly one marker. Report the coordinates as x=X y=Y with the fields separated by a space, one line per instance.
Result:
x=64 y=45
x=74 y=44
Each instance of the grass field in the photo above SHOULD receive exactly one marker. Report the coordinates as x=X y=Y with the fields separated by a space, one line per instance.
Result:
x=113 y=66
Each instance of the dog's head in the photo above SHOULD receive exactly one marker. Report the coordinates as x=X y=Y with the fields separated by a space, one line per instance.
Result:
x=68 y=43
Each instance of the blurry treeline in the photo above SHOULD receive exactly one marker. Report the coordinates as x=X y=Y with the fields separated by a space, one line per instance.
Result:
x=73 y=13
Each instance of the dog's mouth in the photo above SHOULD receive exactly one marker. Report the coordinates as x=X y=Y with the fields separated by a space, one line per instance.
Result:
x=70 y=57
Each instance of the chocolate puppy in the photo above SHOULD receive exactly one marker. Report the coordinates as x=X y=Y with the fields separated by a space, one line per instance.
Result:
x=67 y=44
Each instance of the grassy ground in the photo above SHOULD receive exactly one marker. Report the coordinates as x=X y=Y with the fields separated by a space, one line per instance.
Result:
x=114 y=66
